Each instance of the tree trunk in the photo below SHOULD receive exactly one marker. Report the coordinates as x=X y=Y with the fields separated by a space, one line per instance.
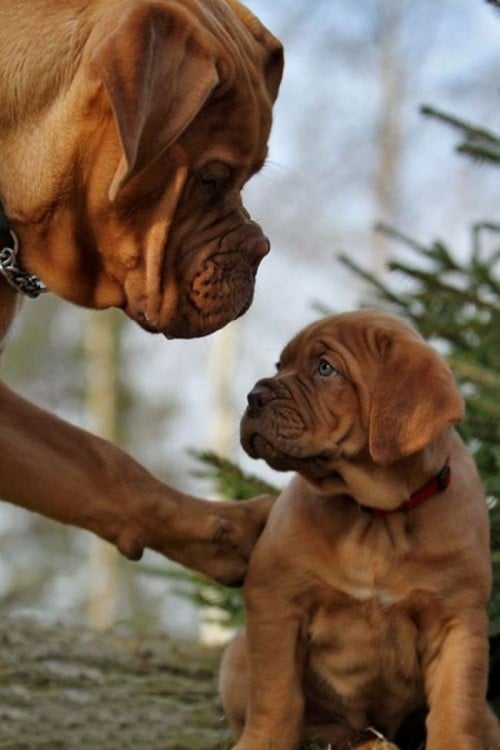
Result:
x=101 y=347
x=391 y=80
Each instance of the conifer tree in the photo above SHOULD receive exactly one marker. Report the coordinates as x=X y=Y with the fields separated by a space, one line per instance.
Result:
x=457 y=305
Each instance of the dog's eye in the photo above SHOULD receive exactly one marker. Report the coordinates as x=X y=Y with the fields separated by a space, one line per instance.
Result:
x=325 y=369
x=215 y=175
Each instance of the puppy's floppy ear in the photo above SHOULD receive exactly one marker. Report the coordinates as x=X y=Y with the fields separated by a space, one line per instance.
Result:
x=158 y=71
x=414 y=399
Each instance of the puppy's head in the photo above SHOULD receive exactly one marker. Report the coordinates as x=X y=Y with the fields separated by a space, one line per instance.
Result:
x=353 y=386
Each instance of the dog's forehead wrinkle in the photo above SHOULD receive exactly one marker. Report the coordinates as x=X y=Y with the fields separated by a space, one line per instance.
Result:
x=243 y=153
x=218 y=154
x=366 y=326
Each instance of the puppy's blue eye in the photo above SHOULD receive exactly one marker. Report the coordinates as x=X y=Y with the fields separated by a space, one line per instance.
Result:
x=325 y=369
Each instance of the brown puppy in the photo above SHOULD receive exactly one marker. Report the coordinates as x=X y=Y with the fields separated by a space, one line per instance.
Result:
x=367 y=591
x=127 y=130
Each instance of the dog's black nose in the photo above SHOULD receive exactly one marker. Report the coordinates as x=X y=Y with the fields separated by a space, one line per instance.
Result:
x=260 y=395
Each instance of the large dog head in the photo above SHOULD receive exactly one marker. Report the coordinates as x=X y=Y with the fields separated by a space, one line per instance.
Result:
x=160 y=111
x=361 y=386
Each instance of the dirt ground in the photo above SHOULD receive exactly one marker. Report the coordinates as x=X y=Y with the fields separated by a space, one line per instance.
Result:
x=65 y=688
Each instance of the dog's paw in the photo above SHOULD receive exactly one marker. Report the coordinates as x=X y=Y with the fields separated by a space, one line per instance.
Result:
x=240 y=525
x=219 y=538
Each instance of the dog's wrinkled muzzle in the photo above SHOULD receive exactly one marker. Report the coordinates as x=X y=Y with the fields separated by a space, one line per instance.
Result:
x=218 y=286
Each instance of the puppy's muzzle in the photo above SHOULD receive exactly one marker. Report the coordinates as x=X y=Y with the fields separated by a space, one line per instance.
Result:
x=260 y=396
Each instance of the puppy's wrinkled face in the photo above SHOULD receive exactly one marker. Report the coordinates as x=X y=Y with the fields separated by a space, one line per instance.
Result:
x=361 y=386
x=311 y=411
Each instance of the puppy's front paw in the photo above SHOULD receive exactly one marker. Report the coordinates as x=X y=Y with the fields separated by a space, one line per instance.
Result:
x=277 y=737
x=375 y=744
x=256 y=745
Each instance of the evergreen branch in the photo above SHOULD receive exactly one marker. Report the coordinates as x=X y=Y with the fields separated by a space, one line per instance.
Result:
x=321 y=309
x=485 y=408
x=444 y=330
x=434 y=285
x=396 y=234
x=437 y=251
x=473 y=132
x=476 y=231
x=202 y=592
x=232 y=482
x=383 y=290
x=475 y=372
x=489 y=225
x=480 y=152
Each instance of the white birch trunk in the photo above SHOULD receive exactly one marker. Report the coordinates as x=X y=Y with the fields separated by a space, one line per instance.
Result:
x=101 y=398
x=391 y=79
x=222 y=440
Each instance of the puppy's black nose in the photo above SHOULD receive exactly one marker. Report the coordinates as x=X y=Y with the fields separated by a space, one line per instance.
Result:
x=260 y=395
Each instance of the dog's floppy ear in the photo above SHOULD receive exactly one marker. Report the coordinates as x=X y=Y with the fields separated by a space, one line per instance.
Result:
x=414 y=399
x=274 y=69
x=158 y=71
x=274 y=60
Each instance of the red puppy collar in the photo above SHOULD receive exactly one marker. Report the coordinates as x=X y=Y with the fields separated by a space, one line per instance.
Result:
x=437 y=484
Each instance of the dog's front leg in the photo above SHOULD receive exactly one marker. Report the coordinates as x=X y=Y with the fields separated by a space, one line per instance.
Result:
x=455 y=661
x=275 y=709
x=71 y=476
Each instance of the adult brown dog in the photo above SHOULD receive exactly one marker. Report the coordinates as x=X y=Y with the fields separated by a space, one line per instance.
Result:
x=367 y=591
x=127 y=130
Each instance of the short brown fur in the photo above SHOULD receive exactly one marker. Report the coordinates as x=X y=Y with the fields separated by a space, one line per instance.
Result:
x=359 y=622
x=127 y=131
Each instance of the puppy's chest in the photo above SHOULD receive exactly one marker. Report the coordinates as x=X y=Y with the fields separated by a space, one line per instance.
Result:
x=362 y=656
x=362 y=628
x=367 y=564
x=344 y=627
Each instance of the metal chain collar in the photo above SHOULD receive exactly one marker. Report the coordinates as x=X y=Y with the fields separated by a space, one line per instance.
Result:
x=24 y=282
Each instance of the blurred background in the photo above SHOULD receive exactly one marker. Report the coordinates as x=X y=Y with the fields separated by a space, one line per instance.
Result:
x=349 y=149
